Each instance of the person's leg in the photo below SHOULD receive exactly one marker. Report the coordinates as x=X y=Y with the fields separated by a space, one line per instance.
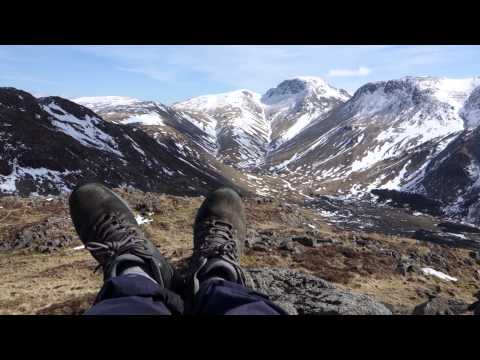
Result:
x=135 y=295
x=138 y=280
x=220 y=297
x=217 y=282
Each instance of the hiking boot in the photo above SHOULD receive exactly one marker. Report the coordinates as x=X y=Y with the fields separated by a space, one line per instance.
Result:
x=218 y=239
x=109 y=230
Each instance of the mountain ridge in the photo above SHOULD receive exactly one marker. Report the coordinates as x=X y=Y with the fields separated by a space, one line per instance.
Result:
x=241 y=127
x=306 y=138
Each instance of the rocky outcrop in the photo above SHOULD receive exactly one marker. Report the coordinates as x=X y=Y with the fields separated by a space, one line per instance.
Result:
x=440 y=306
x=413 y=201
x=46 y=236
x=51 y=145
x=452 y=227
x=447 y=239
x=304 y=294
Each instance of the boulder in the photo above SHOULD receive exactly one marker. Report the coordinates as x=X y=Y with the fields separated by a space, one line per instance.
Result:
x=287 y=244
x=260 y=246
x=405 y=267
x=475 y=255
x=305 y=240
x=251 y=238
x=304 y=294
x=46 y=236
x=440 y=306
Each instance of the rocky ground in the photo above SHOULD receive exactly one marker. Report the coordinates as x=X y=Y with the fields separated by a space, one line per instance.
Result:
x=303 y=256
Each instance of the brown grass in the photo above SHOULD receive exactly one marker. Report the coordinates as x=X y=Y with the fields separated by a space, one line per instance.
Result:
x=64 y=283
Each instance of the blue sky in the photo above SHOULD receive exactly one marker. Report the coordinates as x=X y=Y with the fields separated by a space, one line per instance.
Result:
x=173 y=73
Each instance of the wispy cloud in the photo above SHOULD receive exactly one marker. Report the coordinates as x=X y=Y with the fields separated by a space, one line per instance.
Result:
x=151 y=72
x=28 y=79
x=192 y=70
x=259 y=67
x=361 y=71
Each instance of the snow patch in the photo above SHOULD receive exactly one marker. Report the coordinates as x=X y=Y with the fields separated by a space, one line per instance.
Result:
x=95 y=101
x=438 y=274
x=142 y=220
x=85 y=131
x=150 y=119
x=39 y=175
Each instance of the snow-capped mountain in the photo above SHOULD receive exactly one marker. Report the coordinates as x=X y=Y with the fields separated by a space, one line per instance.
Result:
x=471 y=109
x=188 y=135
x=248 y=125
x=453 y=176
x=237 y=122
x=294 y=104
x=125 y=110
x=299 y=139
x=382 y=137
x=51 y=145
x=155 y=118
x=238 y=128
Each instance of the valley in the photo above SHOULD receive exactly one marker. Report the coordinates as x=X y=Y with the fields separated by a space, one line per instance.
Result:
x=373 y=193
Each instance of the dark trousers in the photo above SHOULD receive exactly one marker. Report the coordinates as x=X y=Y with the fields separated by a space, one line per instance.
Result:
x=138 y=295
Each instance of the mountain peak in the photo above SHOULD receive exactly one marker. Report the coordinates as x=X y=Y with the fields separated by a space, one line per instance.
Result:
x=215 y=101
x=96 y=101
x=303 y=86
x=453 y=92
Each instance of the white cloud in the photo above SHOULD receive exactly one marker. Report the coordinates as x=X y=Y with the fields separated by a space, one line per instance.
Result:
x=152 y=72
x=199 y=69
x=361 y=71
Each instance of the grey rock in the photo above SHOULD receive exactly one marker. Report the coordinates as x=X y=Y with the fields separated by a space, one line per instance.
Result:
x=260 y=247
x=251 y=238
x=446 y=239
x=475 y=255
x=362 y=242
x=405 y=267
x=287 y=245
x=322 y=241
x=429 y=293
x=263 y=200
x=266 y=233
x=248 y=243
x=391 y=253
x=47 y=236
x=305 y=240
x=299 y=249
x=308 y=294
x=440 y=306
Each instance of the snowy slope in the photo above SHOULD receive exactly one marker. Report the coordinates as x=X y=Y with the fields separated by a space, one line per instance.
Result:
x=294 y=104
x=151 y=116
x=50 y=145
x=239 y=128
x=382 y=137
x=247 y=125
x=302 y=136
x=451 y=91
x=237 y=120
x=83 y=129
x=100 y=102
x=125 y=110
x=471 y=109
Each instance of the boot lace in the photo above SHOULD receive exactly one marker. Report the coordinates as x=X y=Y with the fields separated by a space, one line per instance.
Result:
x=114 y=237
x=219 y=240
